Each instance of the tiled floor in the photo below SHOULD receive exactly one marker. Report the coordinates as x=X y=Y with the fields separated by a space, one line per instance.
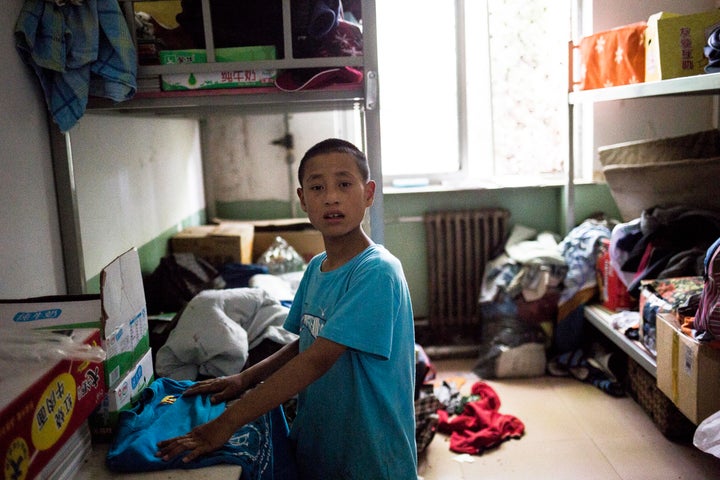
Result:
x=572 y=431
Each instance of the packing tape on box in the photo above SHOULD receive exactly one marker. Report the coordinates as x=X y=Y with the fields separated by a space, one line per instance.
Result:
x=675 y=356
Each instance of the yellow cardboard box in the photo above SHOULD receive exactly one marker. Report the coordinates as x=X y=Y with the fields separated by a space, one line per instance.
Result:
x=687 y=370
x=674 y=44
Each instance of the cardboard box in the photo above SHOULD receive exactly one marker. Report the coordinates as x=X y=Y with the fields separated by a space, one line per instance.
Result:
x=674 y=44
x=218 y=244
x=299 y=233
x=687 y=371
x=118 y=312
x=223 y=79
x=42 y=408
x=126 y=336
x=663 y=295
x=121 y=397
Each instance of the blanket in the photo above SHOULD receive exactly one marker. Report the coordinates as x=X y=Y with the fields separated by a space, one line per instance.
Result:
x=216 y=331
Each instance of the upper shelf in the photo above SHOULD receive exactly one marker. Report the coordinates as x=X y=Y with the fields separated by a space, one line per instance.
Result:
x=151 y=100
x=199 y=102
x=696 y=85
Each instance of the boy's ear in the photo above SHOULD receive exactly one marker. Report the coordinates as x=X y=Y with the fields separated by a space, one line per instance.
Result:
x=370 y=192
x=301 y=196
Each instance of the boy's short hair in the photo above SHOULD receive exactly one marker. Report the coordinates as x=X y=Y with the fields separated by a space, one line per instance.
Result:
x=331 y=145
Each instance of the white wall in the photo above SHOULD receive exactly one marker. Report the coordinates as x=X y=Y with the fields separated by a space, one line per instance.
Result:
x=135 y=177
x=128 y=175
x=242 y=163
x=31 y=254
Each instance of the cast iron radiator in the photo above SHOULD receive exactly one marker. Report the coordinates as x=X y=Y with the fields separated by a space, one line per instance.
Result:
x=459 y=244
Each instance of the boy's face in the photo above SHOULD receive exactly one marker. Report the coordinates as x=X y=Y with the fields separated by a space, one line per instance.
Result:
x=334 y=194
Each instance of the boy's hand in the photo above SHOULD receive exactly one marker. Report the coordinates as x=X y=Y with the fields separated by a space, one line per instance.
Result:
x=202 y=439
x=223 y=388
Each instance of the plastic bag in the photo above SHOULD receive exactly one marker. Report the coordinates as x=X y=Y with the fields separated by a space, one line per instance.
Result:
x=707 y=435
x=281 y=257
x=22 y=345
x=511 y=346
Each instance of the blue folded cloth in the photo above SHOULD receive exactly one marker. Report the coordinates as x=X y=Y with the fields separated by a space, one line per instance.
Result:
x=77 y=51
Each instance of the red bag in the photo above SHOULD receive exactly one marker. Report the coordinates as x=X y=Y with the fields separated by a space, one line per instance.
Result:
x=613 y=57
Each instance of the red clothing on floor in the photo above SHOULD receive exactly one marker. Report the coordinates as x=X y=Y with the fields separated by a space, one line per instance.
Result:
x=480 y=425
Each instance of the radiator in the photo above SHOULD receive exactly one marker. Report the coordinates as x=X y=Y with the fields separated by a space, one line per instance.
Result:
x=459 y=244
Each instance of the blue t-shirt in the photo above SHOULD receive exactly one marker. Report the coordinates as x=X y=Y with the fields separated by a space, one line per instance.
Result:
x=357 y=420
x=260 y=447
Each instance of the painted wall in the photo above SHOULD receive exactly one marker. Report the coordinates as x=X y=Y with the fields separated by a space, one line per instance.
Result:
x=136 y=179
x=31 y=254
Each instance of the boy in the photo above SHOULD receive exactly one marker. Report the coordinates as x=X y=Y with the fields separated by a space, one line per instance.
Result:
x=353 y=365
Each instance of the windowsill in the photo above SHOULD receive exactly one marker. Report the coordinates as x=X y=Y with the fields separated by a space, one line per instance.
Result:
x=480 y=184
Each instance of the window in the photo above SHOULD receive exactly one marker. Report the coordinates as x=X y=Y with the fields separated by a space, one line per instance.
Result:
x=473 y=89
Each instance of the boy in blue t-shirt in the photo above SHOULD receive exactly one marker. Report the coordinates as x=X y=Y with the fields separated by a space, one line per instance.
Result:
x=353 y=366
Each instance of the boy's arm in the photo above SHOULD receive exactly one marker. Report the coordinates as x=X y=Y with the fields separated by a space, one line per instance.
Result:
x=228 y=388
x=282 y=385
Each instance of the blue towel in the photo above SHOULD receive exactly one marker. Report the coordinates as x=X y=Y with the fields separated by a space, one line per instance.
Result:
x=77 y=51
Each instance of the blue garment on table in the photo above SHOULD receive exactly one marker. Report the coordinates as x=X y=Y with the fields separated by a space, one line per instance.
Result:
x=77 y=51
x=260 y=447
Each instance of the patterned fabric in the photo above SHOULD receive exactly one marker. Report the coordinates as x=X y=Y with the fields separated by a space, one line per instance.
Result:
x=580 y=248
x=613 y=57
x=707 y=319
x=426 y=420
x=77 y=51
x=663 y=295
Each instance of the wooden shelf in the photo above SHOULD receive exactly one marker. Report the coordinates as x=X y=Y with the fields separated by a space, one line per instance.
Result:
x=601 y=318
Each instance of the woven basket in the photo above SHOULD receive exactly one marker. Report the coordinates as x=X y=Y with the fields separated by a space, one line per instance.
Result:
x=666 y=416
x=670 y=171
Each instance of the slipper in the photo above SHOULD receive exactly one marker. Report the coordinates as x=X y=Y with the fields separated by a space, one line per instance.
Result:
x=602 y=363
x=573 y=363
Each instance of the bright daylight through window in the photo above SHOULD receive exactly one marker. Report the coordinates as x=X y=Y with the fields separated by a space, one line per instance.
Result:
x=473 y=89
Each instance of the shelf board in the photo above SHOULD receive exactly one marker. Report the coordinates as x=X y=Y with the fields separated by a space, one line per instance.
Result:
x=279 y=64
x=695 y=85
x=600 y=318
x=193 y=102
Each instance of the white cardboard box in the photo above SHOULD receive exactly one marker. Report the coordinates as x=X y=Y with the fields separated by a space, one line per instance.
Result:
x=119 y=312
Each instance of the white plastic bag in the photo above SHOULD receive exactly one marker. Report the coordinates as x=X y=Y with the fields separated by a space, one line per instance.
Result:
x=707 y=435
x=20 y=346
x=281 y=257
